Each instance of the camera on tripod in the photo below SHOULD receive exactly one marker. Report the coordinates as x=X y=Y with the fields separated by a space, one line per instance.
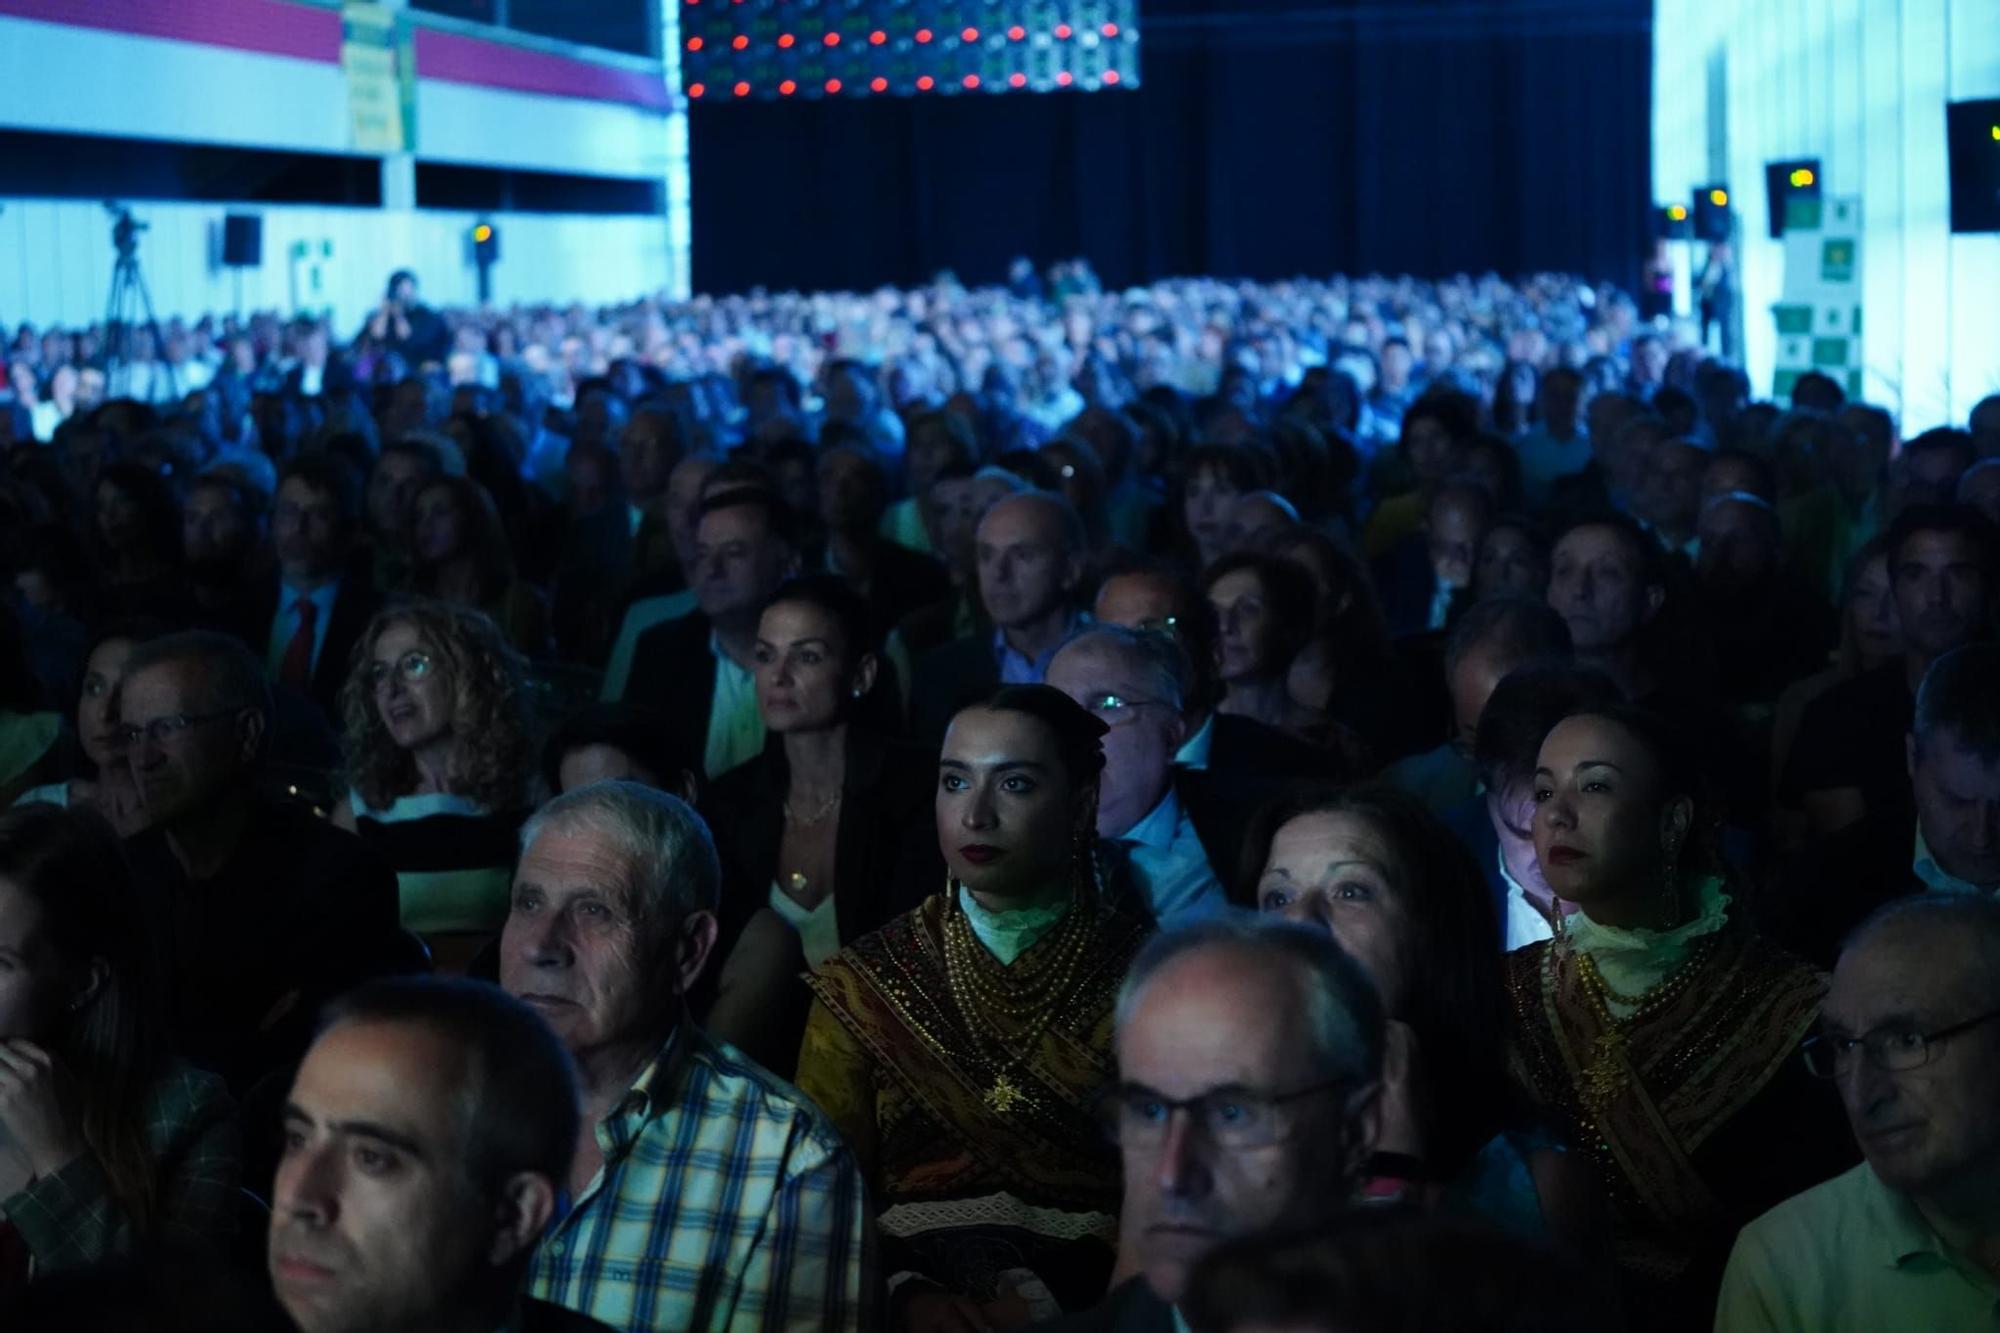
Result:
x=125 y=229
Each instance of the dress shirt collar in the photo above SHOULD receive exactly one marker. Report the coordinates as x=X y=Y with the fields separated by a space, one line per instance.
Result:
x=1935 y=877
x=322 y=597
x=1159 y=826
x=1194 y=751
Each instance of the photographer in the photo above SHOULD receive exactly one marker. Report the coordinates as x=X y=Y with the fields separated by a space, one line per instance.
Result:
x=406 y=326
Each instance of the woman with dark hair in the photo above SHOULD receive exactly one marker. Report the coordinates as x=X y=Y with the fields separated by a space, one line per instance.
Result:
x=440 y=766
x=106 y=785
x=1657 y=1030
x=1215 y=475
x=826 y=828
x=1377 y=871
x=137 y=539
x=1513 y=560
x=107 y=1145
x=611 y=742
x=1514 y=398
x=459 y=553
x=957 y=1048
x=1264 y=612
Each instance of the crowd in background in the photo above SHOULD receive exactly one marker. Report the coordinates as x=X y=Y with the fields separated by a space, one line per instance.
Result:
x=936 y=670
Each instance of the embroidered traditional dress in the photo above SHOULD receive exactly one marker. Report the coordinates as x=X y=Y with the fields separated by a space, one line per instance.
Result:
x=1691 y=1103
x=989 y=1172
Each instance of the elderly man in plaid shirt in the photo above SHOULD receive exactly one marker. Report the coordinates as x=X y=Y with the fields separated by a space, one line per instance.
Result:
x=707 y=1194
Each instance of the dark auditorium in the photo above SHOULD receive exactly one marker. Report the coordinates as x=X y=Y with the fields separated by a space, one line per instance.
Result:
x=973 y=666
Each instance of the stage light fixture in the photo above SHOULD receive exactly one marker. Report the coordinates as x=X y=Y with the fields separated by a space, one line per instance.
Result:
x=969 y=36
x=740 y=42
x=785 y=41
x=787 y=88
x=1801 y=178
x=1109 y=30
x=831 y=39
x=1064 y=79
x=1677 y=213
x=1996 y=134
x=694 y=43
x=926 y=83
x=1017 y=79
x=833 y=85
x=1111 y=76
x=877 y=37
x=971 y=81
x=923 y=35
x=1064 y=32
x=697 y=89
x=1720 y=198
x=741 y=90
x=1016 y=33
x=878 y=84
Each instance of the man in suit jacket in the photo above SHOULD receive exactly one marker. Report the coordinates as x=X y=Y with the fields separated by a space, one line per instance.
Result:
x=1249 y=1099
x=306 y=626
x=1030 y=552
x=853 y=495
x=695 y=671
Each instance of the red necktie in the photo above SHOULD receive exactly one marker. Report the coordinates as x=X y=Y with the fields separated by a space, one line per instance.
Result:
x=296 y=669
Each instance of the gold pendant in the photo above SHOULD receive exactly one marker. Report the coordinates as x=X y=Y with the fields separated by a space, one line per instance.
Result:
x=1604 y=1077
x=1003 y=1096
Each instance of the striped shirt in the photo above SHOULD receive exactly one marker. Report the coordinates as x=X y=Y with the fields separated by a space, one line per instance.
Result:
x=726 y=1201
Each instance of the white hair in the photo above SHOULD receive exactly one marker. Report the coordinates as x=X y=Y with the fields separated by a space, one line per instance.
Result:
x=666 y=845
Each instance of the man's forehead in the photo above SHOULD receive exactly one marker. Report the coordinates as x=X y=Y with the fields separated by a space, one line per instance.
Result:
x=1904 y=967
x=402 y=1076
x=574 y=856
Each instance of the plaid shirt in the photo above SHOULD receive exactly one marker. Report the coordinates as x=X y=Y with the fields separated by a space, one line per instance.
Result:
x=69 y=1219
x=726 y=1201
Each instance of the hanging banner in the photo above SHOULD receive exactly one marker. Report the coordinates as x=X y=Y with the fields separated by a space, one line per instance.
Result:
x=377 y=57
x=1819 y=319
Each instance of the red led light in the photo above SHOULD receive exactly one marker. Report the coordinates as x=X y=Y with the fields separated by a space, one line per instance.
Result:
x=969 y=35
x=1111 y=76
x=1064 y=32
x=878 y=84
x=1016 y=33
x=697 y=89
x=831 y=39
x=694 y=43
x=971 y=80
x=739 y=41
x=741 y=90
x=926 y=83
x=877 y=37
x=923 y=35
x=787 y=88
x=1018 y=80
x=833 y=85
x=1063 y=79
x=1110 y=30
x=785 y=41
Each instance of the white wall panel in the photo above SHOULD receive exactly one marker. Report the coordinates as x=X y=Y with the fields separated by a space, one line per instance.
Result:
x=1862 y=85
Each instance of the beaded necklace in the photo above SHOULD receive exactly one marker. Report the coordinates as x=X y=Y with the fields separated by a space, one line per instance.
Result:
x=1605 y=1077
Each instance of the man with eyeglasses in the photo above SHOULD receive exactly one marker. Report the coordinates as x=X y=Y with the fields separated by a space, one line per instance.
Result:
x=1249 y=1065
x=1910 y=1036
x=261 y=910
x=1135 y=682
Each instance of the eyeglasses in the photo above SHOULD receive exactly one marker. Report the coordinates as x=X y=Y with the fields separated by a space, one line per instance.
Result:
x=1231 y=1118
x=1890 y=1050
x=412 y=666
x=163 y=729
x=1116 y=708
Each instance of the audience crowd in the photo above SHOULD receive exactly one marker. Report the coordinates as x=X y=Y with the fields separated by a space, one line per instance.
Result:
x=1350 y=805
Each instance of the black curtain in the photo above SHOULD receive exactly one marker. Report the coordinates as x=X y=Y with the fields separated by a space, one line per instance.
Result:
x=1268 y=138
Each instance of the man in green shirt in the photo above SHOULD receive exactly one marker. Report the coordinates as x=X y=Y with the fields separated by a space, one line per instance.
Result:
x=1910 y=1239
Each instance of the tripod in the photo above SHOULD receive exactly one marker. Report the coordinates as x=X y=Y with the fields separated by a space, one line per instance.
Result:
x=129 y=299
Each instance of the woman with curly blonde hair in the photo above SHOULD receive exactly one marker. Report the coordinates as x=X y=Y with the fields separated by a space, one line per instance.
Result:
x=440 y=766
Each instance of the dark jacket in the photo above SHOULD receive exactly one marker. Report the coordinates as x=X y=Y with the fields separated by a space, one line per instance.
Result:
x=1130 y=1308
x=673 y=673
x=947 y=679
x=886 y=857
x=1831 y=885
x=1249 y=763
x=353 y=607
x=902 y=582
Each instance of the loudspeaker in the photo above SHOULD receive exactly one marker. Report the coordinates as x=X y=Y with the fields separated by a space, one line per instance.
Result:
x=1972 y=139
x=242 y=240
x=1786 y=182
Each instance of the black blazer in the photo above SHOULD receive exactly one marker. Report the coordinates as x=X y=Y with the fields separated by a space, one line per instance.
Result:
x=1248 y=764
x=353 y=607
x=1130 y=1308
x=1832 y=884
x=673 y=673
x=947 y=679
x=902 y=582
x=886 y=857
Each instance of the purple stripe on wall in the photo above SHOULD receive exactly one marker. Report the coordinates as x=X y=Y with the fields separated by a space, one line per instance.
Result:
x=306 y=32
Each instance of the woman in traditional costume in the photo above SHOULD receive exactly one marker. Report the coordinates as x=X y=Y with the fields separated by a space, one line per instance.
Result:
x=960 y=1047
x=1657 y=1029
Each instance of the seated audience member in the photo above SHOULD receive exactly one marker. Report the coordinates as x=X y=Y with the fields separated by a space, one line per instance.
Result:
x=1258 y=522
x=609 y=742
x=408 y=463
x=827 y=828
x=960 y=498
x=957 y=1047
x=1909 y=1238
x=1403 y=898
x=224 y=551
x=706 y=1193
x=1137 y=682
x=259 y=909
x=1984 y=426
x=1513 y=560
x=1668 y=499
x=459 y=554
x=1030 y=552
x=440 y=767
x=1519 y=712
x=1216 y=474
x=1607 y=583
x=853 y=495
x=108 y=1144
x=696 y=670
x=1348 y=671
x=1248 y=1099
x=1655 y=1030
x=1436 y=431
x=1979 y=489
x=1557 y=446
x=135 y=531
x=1491 y=640
x=1426 y=578
x=660 y=594
x=1263 y=609
x=1870 y=634
x=308 y=625
x=1848 y=758
x=107 y=788
x=939 y=442
x=650 y=446
x=1949 y=844
x=1769 y=625
x=1928 y=469
x=1391 y=1270
x=428 y=1139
